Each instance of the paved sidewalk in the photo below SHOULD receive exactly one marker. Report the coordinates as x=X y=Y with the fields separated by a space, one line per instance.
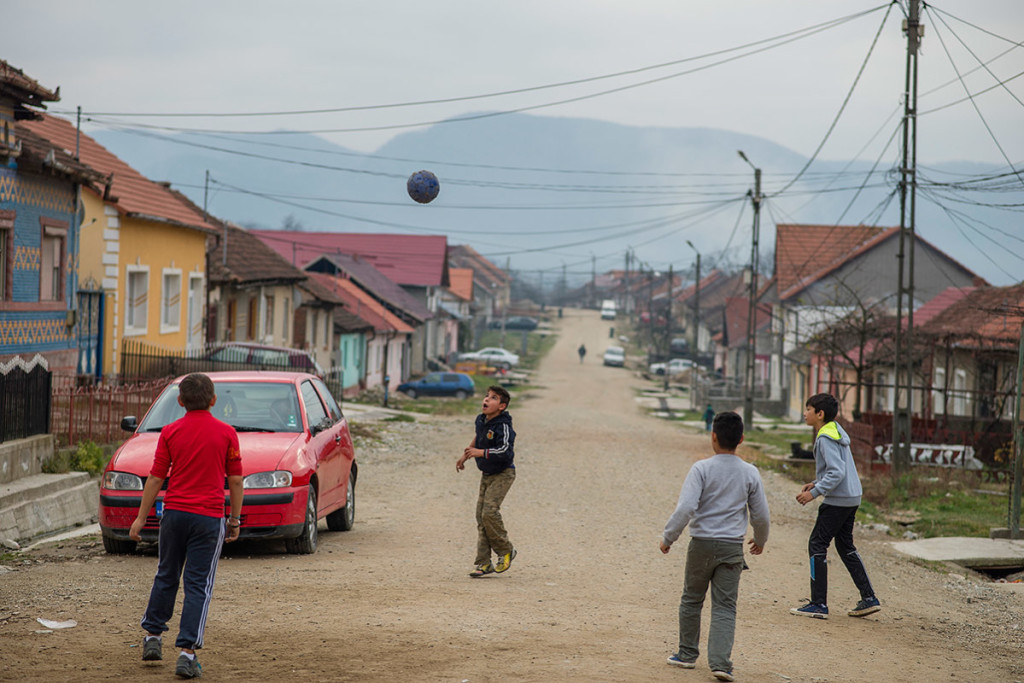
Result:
x=969 y=552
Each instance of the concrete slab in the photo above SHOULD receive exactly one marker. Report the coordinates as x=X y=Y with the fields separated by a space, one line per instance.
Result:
x=966 y=551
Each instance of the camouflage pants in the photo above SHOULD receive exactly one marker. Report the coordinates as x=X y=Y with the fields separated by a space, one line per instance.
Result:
x=491 y=534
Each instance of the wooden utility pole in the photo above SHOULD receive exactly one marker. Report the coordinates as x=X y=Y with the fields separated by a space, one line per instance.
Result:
x=903 y=360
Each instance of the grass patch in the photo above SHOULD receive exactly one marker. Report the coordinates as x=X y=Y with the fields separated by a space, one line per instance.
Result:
x=399 y=418
x=948 y=502
x=362 y=430
x=85 y=457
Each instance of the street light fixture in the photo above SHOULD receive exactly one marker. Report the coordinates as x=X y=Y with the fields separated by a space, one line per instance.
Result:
x=748 y=376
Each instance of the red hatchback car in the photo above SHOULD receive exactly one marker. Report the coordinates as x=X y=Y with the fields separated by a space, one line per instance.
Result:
x=298 y=463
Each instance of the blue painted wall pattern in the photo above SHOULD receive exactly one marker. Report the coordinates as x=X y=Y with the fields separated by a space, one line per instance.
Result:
x=32 y=198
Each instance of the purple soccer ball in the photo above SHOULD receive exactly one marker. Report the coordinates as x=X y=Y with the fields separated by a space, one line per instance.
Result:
x=423 y=186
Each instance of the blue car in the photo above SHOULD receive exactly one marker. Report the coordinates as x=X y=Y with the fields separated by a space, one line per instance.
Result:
x=457 y=384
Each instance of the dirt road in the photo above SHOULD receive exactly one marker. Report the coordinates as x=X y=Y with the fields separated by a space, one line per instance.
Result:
x=589 y=597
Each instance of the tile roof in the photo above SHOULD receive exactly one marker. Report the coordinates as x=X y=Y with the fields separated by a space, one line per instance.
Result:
x=42 y=152
x=372 y=280
x=937 y=305
x=248 y=260
x=985 y=316
x=806 y=253
x=361 y=304
x=461 y=283
x=737 y=310
x=465 y=256
x=17 y=85
x=412 y=260
x=131 y=193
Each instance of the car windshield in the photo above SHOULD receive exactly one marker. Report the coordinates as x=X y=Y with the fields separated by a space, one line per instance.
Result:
x=246 y=406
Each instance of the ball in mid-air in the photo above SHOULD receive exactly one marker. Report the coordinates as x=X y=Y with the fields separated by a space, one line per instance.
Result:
x=423 y=186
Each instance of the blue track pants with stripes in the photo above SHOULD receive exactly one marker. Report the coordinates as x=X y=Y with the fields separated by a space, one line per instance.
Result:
x=192 y=543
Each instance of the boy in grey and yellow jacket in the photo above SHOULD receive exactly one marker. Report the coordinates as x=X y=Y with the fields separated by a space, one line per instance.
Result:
x=837 y=482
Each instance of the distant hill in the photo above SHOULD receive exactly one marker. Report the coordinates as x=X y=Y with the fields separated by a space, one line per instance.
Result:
x=565 y=190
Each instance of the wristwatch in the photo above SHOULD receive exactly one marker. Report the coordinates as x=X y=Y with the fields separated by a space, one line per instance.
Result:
x=237 y=520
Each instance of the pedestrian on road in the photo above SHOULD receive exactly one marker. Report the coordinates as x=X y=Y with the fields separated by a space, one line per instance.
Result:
x=493 y=450
x=582 y=351
x=709 y=417
x=717 y=494
x=203 y=452
x=835 y=478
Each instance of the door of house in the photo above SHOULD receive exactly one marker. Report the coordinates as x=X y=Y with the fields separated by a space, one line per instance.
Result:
x=90 y=333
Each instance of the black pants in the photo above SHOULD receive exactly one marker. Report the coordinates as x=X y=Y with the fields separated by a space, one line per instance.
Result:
x=835 y=523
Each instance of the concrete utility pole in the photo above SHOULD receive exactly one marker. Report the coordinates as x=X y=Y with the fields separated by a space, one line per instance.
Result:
x=903 y=360
x=695 y=336
x=748 y=376
x=1018 y=447
x=504 y=308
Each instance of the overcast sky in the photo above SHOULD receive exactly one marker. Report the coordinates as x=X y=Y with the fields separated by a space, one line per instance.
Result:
x=255 y=56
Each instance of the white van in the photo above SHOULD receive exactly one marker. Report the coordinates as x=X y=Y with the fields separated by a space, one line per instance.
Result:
x=608 y=309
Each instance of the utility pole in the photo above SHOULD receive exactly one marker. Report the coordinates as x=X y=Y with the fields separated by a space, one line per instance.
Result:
x=504 y=307
x=1018 y=447
x=593 y=280
x=748 y=386
x=695 y=335
x=668 y=322
x=903 y=361
x=625 y=286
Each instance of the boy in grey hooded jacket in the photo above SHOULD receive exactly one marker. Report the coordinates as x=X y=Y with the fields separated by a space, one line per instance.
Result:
x=837 y=481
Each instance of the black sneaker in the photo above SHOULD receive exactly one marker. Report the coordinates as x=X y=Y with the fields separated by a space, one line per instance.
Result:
x=865 y=607
x=811 y=609
x=188 y=668
x=152 y=649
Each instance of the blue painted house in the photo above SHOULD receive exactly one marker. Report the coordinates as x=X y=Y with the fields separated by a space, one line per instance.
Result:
x=39 y=229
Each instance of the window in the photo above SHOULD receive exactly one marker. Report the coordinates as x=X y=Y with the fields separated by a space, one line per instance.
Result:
x=51 y=266
x=286 y=310
x=253 y=318
x=268 y=317
x=332 y=405
x=961 y=401
x=883 y=392
x=939 y=392
x=170 y=301
x=136 y=300
x=316 y=328
x=315 y=412
x=6 y=253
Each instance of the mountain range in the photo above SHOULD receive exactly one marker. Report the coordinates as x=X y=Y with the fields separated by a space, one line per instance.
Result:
x=548 y=196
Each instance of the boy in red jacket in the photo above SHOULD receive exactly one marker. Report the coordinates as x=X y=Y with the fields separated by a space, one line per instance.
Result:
x=200 y=451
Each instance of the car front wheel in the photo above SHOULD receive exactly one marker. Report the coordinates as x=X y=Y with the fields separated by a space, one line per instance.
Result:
x=460 y=394
x=305 y=543
x=411 y=393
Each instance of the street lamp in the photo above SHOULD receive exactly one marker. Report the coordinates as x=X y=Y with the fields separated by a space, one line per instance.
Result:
x=748 y=384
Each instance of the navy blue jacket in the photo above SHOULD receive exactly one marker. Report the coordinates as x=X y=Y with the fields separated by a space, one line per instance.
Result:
x=498 y=439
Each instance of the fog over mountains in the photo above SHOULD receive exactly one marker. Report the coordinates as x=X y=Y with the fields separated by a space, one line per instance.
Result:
x=543 y=193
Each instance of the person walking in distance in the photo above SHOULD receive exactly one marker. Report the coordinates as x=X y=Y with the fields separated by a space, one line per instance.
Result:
x=582 y=351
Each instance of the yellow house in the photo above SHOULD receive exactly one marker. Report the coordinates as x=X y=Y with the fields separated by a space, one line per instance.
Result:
x=142 y=256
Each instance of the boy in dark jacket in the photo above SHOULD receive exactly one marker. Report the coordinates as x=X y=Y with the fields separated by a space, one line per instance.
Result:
x=493 y=450
x=837 y=482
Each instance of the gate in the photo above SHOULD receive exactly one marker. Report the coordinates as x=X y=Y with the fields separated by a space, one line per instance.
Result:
x=90 y=333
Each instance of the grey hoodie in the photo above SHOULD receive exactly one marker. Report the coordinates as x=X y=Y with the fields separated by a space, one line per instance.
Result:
x=835 y=473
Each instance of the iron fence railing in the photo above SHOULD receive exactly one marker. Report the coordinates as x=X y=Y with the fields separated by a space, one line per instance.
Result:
x=93 y=413
x=25 y=395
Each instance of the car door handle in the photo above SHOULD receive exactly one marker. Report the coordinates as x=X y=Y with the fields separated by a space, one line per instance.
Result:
x=337 y=438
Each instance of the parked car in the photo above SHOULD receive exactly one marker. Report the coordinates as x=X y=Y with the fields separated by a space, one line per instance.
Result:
x=672 y=367
x=679 y=346
x=492 y=355
x=235 y=355
x=516 y=322
x=457 y=384
x=298 y=462
x=615 y=356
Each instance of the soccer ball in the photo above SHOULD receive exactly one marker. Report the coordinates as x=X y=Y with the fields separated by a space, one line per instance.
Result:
x=423 y=186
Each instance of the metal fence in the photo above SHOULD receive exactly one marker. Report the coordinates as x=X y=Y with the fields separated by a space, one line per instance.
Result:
x=25 y=394
x=93 y=413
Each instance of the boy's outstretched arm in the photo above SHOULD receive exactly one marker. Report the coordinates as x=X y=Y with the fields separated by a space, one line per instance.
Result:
x=149 y=492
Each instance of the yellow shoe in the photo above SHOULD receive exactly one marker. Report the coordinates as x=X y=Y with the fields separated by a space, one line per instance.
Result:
x=482 y=570
x=505 y=561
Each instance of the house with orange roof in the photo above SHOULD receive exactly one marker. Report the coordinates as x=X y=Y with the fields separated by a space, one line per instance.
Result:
x=456 y=303
x=825 y=273
x=142 y=253
x=40 y=197
x=387 y=349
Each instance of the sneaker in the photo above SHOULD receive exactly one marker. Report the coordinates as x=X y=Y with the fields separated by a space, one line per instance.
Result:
x=505 y=561
x=482 y=570
x=675 y=660
x=723 y=675
x=188 y=668
x=865 y=607
x=811 y=609
x=152 y=649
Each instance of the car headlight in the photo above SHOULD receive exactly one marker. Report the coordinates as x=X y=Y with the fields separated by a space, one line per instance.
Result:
x=122 y=481
x=268 y=480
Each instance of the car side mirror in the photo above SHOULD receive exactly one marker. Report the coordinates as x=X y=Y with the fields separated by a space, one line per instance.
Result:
x=129 y=423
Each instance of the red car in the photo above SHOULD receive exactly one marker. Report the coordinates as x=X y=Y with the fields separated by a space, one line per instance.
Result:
x=298 y=463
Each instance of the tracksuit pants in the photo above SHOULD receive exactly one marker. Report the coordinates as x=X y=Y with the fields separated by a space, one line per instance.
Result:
x=192 y=543
x=835 y=522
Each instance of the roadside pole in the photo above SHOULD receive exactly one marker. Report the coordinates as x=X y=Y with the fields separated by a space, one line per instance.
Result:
x=1018 y=453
